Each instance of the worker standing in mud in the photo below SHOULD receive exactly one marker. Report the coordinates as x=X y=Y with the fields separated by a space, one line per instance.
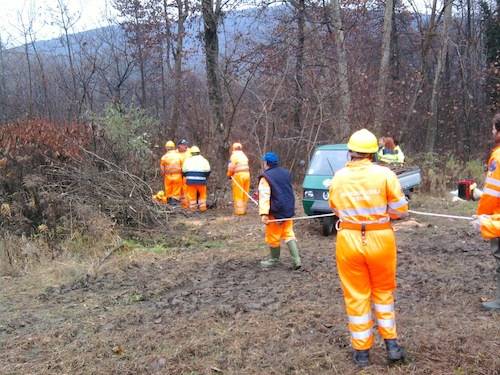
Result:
x=184 y=153
x=171 y=169
x=196 y=170
x=239 y=172
x=488 y=209
x=365 y=197
x=277 y=201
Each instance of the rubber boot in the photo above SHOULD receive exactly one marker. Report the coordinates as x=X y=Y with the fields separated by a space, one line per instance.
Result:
x=394 y=351
x=294 y=252
x=361 y=358
x=274 y=258
x=495 y=304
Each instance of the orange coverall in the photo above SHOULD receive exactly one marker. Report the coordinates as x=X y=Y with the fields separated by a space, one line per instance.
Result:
x=365 y=196
x=238 y=169
x=171 y=168
x=275 y=232
x=196 y=169
x=184 y=199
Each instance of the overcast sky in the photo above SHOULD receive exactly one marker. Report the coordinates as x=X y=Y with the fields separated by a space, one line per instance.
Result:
x=91 y=14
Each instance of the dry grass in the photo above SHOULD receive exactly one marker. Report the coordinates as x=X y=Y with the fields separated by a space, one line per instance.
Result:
x=204 y=306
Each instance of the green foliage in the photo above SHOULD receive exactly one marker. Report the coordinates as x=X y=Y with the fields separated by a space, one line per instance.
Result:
x=440 y=173
x=128 y=133
x=490 y=19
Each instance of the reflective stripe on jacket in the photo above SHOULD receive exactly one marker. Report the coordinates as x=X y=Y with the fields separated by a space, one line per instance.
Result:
x=171 y=163
x=237 y=163
x=196 y=169
x=489 y=203
x=366 y=193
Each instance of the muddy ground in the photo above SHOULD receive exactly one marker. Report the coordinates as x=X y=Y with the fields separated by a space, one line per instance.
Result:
x=204 y=306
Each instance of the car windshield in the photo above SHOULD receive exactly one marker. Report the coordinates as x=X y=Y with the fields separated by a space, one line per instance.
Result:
x=326 y=162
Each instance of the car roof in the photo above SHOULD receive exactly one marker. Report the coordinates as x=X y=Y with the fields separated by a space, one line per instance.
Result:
x=333 y=147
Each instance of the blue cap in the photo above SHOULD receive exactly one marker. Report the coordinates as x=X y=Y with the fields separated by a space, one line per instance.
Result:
x=271 y=158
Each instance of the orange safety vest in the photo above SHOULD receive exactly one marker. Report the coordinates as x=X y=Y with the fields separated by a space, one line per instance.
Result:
x=489 y=203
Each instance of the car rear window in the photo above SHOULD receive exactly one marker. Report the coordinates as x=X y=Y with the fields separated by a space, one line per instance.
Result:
x=327 y=162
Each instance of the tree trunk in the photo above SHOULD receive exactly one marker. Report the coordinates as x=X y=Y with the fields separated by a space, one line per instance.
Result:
x=300 y=8
x=182 y=9
x=384 y=64
x=343 y=75
x=211 y=40
x=432 y=126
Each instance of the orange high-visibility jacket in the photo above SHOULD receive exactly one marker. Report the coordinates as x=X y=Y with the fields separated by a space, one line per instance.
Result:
x=366 y=193
x=489 y=203
x=237 y=163
x=171 y=163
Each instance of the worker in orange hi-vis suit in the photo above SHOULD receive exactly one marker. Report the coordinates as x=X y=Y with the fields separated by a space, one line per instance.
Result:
x=365 y=196
x=196 y=170
x=239 y=171
x=171 y=169
x=277 y=201
x=489 y=204
x=184 y=153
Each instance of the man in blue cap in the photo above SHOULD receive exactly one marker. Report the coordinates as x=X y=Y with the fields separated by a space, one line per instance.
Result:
x=277 y=201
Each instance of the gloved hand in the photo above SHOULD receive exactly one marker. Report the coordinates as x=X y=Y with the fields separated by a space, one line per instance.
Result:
x=476 y=223
x=264 y=219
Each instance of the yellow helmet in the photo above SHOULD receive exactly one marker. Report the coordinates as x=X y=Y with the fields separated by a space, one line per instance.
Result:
x=363 y=141
x=170 y=144
x=194 y=149
x=237 y=146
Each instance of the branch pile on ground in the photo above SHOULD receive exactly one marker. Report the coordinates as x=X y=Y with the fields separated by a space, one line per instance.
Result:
x=109 y=189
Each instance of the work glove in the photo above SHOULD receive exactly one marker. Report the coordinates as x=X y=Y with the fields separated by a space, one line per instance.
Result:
x=264 y=219
x=476 y=193
x=476 y=224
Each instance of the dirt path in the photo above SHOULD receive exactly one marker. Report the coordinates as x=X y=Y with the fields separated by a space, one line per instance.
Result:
x=206 y=307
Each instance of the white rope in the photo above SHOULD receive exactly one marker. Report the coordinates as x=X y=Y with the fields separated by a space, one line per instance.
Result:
x=441 y=215
x=300 y=218
x=243 y=190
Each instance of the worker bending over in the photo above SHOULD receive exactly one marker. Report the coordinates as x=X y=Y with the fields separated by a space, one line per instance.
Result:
x=184 y=153
x=365 y=197
x=239 y=172
x=196 y=170
x=171 y=169
x=488 y=209
x=277 y=201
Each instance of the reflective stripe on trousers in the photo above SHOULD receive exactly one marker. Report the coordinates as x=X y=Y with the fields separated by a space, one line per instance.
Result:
x=367 y=273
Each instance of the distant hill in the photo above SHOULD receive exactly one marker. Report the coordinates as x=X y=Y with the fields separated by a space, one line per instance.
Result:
x=251 y=21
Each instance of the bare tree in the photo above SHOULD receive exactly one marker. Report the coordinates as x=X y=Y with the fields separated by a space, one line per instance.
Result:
x=432 y=126
x=384 y=63
x=342 y=70
x=212 y=13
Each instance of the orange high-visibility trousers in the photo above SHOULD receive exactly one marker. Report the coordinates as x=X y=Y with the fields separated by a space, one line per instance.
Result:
x=275 y=232
x=367 y=272
x=197 y=197
x=173 y=185
x=184 y=194
x=240 y=199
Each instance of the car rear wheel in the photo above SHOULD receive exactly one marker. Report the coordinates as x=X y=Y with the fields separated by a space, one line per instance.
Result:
x=328 y=225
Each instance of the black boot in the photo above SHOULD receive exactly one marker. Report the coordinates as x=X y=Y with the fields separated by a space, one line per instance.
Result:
x=394 y=351
x=361 y=358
